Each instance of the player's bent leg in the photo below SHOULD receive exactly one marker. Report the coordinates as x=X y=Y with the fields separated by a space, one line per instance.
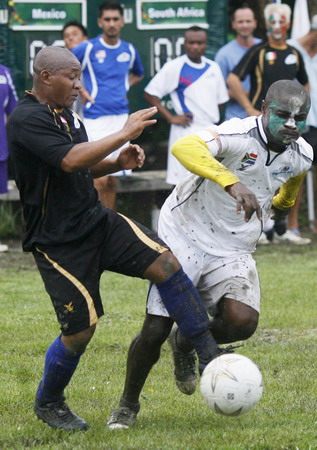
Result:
x=61 y=361
x=184 y=305
x=234 y=321
x=144 y=352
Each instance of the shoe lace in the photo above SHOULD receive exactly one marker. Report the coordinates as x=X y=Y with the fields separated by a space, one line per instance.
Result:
x=228 y=349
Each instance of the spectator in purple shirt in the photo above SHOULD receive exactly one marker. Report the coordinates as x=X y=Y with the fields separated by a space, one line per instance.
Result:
x=8 y=100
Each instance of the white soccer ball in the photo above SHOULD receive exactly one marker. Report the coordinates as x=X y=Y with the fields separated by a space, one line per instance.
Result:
x=231 y=384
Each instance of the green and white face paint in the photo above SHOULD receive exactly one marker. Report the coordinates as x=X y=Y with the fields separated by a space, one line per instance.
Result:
x=287 y=119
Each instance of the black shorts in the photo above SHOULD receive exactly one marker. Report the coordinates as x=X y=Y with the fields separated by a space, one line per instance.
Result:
x=71 y=272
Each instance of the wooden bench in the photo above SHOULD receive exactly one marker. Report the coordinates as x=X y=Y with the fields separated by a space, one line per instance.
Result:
x=146 y=181
x=136 y=194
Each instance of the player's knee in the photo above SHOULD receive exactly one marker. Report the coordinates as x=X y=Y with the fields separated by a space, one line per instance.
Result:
x=239 y=321
x=79 y=341
x=244 y=329
x=163 y=268
x=243 y=325
x=156 y=330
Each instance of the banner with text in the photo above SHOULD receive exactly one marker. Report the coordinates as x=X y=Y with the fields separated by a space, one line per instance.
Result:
x=45 y=15
x=166 y=14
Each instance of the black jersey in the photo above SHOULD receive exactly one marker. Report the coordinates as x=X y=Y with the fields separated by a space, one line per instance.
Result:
x=266 y=64
x=58 y=207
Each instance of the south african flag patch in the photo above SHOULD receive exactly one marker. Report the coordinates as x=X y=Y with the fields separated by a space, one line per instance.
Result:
x=249 y=158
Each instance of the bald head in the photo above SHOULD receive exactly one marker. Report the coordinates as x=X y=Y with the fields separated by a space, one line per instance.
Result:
x=53 y=59
x=288 y=92
x=56 y=77
x=284 y=113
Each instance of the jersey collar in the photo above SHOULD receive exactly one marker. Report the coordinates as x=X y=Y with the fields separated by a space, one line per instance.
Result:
x=200 y=65
x=261 y=129
x=107 y=45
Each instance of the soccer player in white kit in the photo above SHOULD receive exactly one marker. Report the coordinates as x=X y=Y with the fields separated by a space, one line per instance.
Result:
x=203 y=223
x=197 y=90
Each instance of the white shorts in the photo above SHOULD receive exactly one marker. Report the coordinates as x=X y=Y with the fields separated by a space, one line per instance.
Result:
x=102 y=127
x=233 y=277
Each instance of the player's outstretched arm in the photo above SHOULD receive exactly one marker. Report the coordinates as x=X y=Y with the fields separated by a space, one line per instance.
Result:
x=246 y=200
x=88 y=154
x=130 y=157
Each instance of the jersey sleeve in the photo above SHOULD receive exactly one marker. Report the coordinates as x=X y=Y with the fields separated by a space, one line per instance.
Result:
x=165 y=81
x=137 y=67
x=12 y=95
x=193 y=153
x=80 y=50
x=301 y=74
x=287 y=194
x=41 y=135
x=222 y=92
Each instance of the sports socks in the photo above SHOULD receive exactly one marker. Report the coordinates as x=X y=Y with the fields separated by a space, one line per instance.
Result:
x=186 y=308
x=60 y=364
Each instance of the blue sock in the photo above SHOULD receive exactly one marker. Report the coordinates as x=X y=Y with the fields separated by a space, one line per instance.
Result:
x=60 y=364
x=187 y=309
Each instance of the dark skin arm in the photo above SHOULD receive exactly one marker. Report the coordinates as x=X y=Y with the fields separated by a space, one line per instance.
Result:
x=91 y=154
x=130 y=157
x=182 y=120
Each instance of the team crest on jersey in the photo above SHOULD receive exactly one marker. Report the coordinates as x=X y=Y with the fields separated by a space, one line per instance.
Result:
x=248 y=160
x=284 y=170
x=123 y=57
x=101 y=55
x=270 y=57
x=3 y=79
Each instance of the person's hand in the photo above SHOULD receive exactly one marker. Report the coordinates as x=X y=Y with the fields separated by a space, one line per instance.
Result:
x=85 y=96
x=246 y=199
x=139 y=120
x=278 y=214
x=131 y=157
x=183 y=120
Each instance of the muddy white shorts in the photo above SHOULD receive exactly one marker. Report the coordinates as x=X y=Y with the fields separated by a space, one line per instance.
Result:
x=102 y=127
x=233 y=277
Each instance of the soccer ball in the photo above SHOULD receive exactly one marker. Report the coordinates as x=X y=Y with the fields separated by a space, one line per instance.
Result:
x=231 y=384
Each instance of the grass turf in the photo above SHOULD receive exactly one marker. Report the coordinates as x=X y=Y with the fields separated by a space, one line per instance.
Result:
x=284 y=346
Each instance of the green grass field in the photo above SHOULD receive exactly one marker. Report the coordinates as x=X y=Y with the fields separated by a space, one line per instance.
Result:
x=284 y=346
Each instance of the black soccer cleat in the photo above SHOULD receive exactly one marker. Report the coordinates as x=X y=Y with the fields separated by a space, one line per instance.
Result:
x=59 y=415
x=220 y=351
x=185 y=371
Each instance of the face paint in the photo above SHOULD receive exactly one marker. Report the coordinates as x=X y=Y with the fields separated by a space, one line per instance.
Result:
x=286 y=121
x=277 y=26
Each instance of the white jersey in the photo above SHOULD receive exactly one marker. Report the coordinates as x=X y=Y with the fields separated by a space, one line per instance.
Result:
x=206 y=213
x=195 y=88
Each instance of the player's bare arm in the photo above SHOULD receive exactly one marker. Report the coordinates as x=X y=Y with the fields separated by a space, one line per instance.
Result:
x=130 y=157
x=134 y=79
x=88 y=154
x=246 y=200
x=237 y=93
x=183 y=120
